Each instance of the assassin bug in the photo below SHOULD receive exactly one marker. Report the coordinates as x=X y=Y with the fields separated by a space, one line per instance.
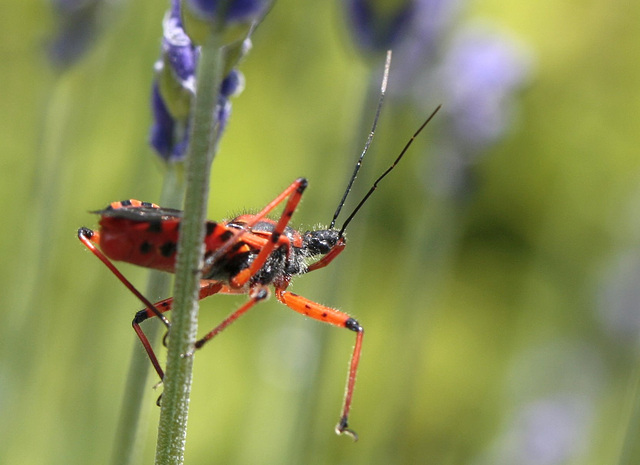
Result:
x=244 y=255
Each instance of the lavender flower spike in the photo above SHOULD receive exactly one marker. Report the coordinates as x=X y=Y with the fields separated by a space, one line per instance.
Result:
x=174 y=88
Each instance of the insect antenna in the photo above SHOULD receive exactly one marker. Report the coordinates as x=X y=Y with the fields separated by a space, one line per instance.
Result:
x=383 y=90
x=388 y=170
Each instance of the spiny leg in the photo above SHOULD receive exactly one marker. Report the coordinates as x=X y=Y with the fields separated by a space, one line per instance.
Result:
x=294 y=193
x=89 y=238
x=259 y=294
x=207 y=288
x=337 y=318
x=221 y=251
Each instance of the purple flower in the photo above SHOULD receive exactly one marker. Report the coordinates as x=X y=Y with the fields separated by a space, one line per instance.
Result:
x=477 y=80
x=376 y=25
x=230 y=20
x=228 y=10
x=481 y=72
x=174 y=89
x=421 y=46
x=549 y=431
x=232 y=84
x=77 y=28
x=618 y=297
x=167 y=137
x=177 y=48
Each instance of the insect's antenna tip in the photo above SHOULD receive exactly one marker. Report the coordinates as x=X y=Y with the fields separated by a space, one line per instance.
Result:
x=383 y=90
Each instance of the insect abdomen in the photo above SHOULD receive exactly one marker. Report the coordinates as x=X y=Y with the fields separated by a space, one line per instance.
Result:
x=139 y=242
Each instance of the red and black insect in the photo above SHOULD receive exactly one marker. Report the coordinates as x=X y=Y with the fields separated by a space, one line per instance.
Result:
x=245 y=255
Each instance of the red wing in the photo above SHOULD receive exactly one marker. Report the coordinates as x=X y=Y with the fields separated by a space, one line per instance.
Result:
x=141 y=233
x=142 y=213
x=147 y=235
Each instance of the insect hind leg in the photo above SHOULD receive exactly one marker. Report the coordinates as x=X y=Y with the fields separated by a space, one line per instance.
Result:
x=337 y=318
x=257 y=295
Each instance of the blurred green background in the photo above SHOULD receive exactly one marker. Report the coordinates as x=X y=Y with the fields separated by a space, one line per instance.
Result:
x=500 y=330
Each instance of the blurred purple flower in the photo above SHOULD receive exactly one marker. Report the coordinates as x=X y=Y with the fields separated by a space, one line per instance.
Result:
x=378 y=25
x=548 y=431
x=77 y=27
x=480 y=74
x=423 y=41
x=174 y=88
x=414 y=29
x=178 y=49
x=477 y=80
x=232 y=85
x=232 y=10
x=164 y=137
x=473 y=70
x=618 y=297
x=551 y=390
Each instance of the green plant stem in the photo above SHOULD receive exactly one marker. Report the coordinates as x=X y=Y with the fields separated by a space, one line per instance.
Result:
x=172 y=428
x=629 y=449
x=128 y=433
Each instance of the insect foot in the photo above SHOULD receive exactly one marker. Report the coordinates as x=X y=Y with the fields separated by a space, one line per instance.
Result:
x=341 y=428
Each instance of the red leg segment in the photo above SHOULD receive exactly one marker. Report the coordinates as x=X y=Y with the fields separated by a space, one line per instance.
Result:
x=207 y=288
x=333 y=253
x=294 y=192
x=337 y=318
x=89 y=238
x=257 y=295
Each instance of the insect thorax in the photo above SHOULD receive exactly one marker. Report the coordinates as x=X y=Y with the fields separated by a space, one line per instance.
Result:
x=281 y=265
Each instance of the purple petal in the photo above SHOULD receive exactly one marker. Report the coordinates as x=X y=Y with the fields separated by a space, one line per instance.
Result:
x=481 y=72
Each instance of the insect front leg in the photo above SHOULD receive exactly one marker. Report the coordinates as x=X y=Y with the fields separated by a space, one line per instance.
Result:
x=337 y=318
x=90 y=238
x=328 y=258
x=294 y=194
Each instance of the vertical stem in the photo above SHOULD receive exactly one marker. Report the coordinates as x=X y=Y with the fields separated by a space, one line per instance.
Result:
x=172 y=428
x=629 y=450
x=128 y=433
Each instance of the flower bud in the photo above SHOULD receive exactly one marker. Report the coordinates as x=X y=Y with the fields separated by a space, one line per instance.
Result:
x=232 y=19
x=377 y=24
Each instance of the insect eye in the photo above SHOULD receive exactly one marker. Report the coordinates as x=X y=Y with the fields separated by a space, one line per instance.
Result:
x=320 y=242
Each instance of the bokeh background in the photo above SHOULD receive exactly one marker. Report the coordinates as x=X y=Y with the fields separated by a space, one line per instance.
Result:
x=495 y=272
